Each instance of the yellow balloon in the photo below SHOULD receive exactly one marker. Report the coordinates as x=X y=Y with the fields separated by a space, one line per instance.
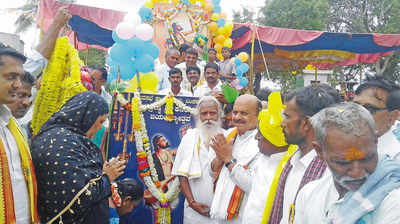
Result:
x=220 y=39
x=218 y=47
x=221 y=31
x=156 y=0
x=219 y=56
x=229 y=26
x=223 y=15
x=215 y=17
x=149 y=4
x=243 y=56
x=192 y=2
x=213 y=26
x=208 y=7
x=148 y=83
x=228 y=43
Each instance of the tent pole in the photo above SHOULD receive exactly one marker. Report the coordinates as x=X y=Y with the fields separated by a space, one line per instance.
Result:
x=251 y=74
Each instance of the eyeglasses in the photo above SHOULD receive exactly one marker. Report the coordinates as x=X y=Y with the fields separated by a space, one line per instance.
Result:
x=373 y=109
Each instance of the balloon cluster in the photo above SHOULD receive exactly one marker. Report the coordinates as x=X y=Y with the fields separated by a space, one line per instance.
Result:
x=219 y=27
x=132 y=51
x=150 y=3
x=241 y=68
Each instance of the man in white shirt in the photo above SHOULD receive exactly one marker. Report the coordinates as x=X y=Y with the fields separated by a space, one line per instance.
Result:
x=23 y=100
x=212 y=86
x=389 y=143
x=171 y=60
x=373 y=94
x=192 y=161
x=175 y=78
x=234 y=162
x=99 y=79
x=190 y=60
x=304 y=166
x=360 y=189
x=273 y=147
x=11 y=73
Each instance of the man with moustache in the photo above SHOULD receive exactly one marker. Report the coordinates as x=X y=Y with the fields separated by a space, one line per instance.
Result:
x=175 y=78
x=192 y=162
x=361 y=189
x=304 y=166
x=171 y=60
x=190 y=60
x=274 y=150
x=235 y=158
x=18 y=186
x=21 y=106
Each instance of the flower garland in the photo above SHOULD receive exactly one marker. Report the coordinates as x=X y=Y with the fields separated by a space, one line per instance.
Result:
x=145 y=163
x=60 y=81
x=169 y=108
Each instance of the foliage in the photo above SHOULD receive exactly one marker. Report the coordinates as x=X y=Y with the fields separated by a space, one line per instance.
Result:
x=96 y=57
x=28 y=14
x=295 y=14
x=243 y=16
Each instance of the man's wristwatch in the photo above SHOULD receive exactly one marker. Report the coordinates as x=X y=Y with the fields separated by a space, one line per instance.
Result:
x=227 y=164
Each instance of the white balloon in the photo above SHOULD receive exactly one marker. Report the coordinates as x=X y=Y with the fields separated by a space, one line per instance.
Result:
x=144 y=32
x=125 y=30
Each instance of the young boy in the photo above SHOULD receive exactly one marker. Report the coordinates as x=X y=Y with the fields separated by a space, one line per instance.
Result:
x=227 y=67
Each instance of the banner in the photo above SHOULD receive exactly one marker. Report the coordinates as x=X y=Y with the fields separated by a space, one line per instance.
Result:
x=163 y=140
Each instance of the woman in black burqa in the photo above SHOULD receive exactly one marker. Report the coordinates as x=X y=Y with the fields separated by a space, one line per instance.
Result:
x=66 y=159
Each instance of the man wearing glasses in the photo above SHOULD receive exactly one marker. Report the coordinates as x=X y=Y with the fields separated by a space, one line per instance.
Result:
x=373 y=95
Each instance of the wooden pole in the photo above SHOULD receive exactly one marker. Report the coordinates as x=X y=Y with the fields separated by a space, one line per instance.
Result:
x=251 y=73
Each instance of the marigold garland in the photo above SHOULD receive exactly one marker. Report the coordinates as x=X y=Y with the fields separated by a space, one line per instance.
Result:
x=169 y=108
x=60 y=81
x=135 y=113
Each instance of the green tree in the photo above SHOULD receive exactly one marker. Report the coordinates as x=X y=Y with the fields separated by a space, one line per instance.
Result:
x=93 y=57
x=28 y=14
x=243 y=16
x=295 y=14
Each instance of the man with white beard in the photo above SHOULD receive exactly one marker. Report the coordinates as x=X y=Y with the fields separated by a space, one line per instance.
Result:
x=192 y=162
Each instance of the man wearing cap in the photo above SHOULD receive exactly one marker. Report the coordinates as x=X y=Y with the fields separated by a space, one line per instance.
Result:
x=274 y=149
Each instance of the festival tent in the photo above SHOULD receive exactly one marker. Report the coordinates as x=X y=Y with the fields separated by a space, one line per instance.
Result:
x=288 y=49
x=90 y=26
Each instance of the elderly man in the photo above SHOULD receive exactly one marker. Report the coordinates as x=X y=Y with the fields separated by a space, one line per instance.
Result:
x=373 y=95
x=18 y=185
x=273 y=146
x=235 y=160
x=304 y=166
x=171 y=60
x=192 y=161
x=360 y=189
x=99 y=79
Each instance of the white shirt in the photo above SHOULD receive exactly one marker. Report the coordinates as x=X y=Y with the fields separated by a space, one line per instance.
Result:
x=19 y=187
x=388 y=144
x=105 y=95
x=163 y=73
x=323 y=196
x=299 y=167
x=201 y=187
x=205 y=89
x=244 y=146
x=262 y=180
x=35 y=63
x=182 y=92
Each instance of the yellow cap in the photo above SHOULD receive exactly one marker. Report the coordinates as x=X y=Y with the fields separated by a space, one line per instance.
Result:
x=270 y=121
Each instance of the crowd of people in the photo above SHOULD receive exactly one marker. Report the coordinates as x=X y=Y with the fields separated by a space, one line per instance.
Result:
x=301 y=157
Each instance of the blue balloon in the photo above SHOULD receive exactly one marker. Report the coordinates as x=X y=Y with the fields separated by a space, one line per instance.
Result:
x=134 y=43
x=145 y=14
x=216 y=2
x=239 y=72
x=153 y=50
x=237 y=62
x=243 y=81
x=120 y=54
x=145 y=63
x=128 y=70
x=186 y=2
x=221 y=22
x=217 y=8
x=244 y=67
x=109 y=61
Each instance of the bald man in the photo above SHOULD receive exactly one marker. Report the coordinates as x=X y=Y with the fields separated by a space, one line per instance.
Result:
x=171 y=60
x=233 y=165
